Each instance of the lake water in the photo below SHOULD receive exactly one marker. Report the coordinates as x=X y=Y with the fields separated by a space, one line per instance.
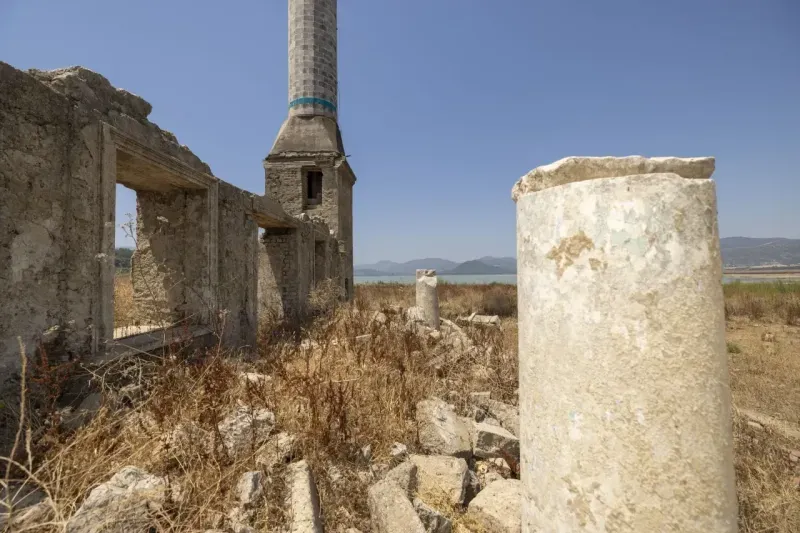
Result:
x=484 y=279
x=510 y=279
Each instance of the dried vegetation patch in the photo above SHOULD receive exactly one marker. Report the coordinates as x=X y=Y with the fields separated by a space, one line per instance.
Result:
x=346 y=387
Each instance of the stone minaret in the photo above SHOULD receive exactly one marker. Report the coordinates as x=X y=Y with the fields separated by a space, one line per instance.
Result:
x=312 y=57
x=306 y=170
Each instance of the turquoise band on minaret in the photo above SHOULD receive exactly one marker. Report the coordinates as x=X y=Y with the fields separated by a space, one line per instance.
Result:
x=312 y=100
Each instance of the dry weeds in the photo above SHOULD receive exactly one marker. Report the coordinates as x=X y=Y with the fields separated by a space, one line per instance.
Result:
x=340 y=396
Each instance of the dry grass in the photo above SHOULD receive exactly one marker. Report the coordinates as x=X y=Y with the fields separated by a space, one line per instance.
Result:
x=336 y=398
x=764 y=358
x=339 y=397
x=777 y=302
x=454 y=299
x=124 y=309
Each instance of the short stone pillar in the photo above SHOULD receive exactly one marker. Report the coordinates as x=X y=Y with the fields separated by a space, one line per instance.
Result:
x=427 y=298
x=624 y=399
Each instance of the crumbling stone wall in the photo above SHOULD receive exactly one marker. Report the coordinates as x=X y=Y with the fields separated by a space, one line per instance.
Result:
x=67 y=137
x=238 y=268
x=278 y=290
x=168 y=269
x=47 y=230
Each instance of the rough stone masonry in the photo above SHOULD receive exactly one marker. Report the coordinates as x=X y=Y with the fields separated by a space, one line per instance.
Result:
x=68 y=137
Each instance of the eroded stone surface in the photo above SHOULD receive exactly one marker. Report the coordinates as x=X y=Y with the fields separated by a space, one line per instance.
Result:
x=23 y=497
x=278 y=449
x=404 y=476
x=626 y=274
x=245 y=429
x=391 y=511
x=441 y=430
x=432 y=519
x=575 y=169
x=427 y=298
x=130 y=501
x=302 y=499
x=498 y=506
x=250 y=489
x=490 y=441
x=440 y=475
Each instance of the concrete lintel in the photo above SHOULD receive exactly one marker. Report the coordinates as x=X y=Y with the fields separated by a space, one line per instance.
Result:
x=142 y=168
x=269 y=214
x=149 y=342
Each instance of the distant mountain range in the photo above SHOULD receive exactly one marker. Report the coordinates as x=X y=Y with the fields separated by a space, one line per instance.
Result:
x=747 y=252
x=737 y=252
x=483 y=265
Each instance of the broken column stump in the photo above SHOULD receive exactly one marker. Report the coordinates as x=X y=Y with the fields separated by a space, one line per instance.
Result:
x=427 y=298
x=624 y=399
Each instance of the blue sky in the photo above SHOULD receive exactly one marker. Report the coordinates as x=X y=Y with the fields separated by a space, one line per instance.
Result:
x=444 y=104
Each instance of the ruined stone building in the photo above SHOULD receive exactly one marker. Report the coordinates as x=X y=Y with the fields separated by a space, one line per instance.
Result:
x=68 y=137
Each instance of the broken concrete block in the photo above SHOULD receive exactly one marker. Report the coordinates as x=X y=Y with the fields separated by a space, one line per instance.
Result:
x=508 y=415
x=399 y=451
x=279 y=449
x=27 y=519
x=498 y=507
x=302 y=499
x=250 y=489
x=245 y=429
x=479 y=398
x=72 y=419
x=441 y=475
x=240 y=520
x=404 y=476
x=391 y=511
x=254 y=378
x=127 y=502
x=490 y=441
x=28 y=503
x=432 y=519
x=441 y=430
x=479 y=320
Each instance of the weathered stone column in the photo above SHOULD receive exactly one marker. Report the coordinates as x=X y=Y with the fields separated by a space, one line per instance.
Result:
x=427 y=299
x=624 y=399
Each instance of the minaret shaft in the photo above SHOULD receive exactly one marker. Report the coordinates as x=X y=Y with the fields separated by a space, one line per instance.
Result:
x=312 y=58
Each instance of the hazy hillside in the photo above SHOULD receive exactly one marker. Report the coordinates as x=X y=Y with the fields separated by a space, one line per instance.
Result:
x=384 y=268
x=476 y=267
x=737 y=252
x=484 y=265
x=509 y=264
x=752 y=252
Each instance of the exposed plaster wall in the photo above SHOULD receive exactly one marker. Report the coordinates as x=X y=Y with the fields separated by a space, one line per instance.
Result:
x=238 y=267
x=278 y=290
